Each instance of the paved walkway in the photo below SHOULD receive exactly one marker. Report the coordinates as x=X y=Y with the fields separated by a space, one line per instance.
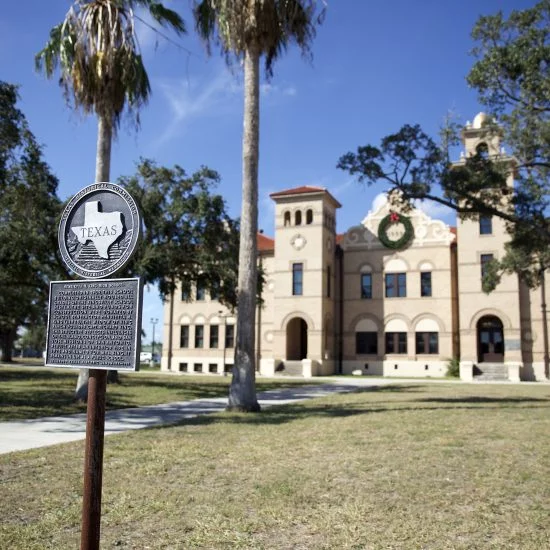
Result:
x=41 y=432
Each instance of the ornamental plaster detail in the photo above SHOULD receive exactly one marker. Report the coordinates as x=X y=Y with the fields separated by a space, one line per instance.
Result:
x=427 y=231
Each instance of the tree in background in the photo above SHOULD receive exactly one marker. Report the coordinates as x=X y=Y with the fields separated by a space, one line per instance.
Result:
x=101 y=71
x=188 y=236
x=512 y=77
x=29 y=208
x=248 y=30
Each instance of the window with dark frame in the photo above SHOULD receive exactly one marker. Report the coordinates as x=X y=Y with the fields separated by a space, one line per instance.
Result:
x=309 y=216
x=229 y=336
x=485 y=225
x=298 y=218
x=199 y=336
x=214 y=336
x=366 y=343
x=197 y=367
x=297 y=279
x=183 y=367
x=366 y=286
x=396 y=285
x=201 y=290
x=185 y=295
x=425 y=283
x=427 y=343
x=184 y=336
x=484 y=260
x=396 y=342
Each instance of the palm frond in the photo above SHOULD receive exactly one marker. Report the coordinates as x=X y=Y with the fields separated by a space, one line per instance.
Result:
x=97 y=53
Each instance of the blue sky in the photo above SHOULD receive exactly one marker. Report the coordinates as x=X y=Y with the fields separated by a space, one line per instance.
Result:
x=376 y=66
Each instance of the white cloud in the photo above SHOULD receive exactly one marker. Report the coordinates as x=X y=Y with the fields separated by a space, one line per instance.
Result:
x=379 y=201
x=191 y=99
x=272 y=90
x=434 y=209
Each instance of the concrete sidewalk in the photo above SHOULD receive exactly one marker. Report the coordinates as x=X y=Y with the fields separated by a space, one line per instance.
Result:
x=41 y=432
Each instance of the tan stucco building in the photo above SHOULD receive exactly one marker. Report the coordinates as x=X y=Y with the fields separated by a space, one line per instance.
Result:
x=352 y=303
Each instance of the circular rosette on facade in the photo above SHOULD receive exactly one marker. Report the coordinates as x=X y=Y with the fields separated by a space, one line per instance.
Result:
x=395 y=231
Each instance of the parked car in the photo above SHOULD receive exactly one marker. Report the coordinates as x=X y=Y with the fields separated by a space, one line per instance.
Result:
x=148 y=357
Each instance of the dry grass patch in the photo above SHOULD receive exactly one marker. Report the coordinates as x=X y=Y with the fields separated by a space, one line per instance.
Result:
x=401 y=467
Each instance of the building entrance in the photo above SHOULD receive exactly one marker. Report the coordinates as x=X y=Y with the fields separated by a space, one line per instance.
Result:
x=296 y=339
x=490 y=340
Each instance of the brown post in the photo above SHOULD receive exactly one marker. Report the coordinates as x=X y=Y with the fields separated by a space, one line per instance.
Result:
x=93 y=461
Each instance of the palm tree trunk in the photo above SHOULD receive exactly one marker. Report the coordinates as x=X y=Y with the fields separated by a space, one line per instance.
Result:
x=242 y=392
x=102 y=172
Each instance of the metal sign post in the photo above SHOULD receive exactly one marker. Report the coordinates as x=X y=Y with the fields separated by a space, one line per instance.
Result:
x=95 y=323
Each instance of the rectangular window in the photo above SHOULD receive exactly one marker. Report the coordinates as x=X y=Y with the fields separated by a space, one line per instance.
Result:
x=297 y=279
x=197 y=367
x=201 y=289
x=396 y=342
x=366 y=343
x=185 y=296
x=214 y=336
x=199 y=336
x=427 y=342
x=366 y=286
x=426 y=283
x=328 y=281
x=396 y=285
x=183 y=367
x=229 y=336
x=184 y=336
x=484 y=260
x=212 y=367
x=485 y=225
x=215 y=290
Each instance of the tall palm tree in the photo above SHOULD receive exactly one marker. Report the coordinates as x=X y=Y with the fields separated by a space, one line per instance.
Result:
x=248 y=30
x=101 y=71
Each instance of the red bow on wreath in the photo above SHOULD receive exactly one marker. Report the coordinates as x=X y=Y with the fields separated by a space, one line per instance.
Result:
x=394 y=217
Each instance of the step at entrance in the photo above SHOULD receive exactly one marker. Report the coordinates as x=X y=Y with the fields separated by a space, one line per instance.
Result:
x=491 y=371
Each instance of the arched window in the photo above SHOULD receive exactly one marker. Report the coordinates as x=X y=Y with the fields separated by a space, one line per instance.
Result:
x=309 y=216
x=298 y=217
x=287 y=219
x=482 y=150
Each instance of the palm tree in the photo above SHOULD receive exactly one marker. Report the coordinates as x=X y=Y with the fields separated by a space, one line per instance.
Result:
x=101 y=71
x=248 y=30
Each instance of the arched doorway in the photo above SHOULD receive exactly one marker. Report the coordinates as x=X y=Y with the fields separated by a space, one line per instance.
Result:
x=490 y=340
x=296 y=339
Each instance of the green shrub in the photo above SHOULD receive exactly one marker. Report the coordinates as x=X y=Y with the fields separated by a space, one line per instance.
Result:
x=453 y=367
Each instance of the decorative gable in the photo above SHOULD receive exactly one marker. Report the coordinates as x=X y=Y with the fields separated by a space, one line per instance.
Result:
x=426 y=231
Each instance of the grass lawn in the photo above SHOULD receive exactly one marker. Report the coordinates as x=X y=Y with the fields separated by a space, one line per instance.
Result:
x=33 y=392
x=409 y=466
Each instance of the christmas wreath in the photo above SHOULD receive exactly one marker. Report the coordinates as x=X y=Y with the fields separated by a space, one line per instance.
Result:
x=390 y=219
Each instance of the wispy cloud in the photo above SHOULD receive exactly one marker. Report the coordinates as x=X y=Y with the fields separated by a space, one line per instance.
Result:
x=434 y=209
x=272 y=90
x=192 y=99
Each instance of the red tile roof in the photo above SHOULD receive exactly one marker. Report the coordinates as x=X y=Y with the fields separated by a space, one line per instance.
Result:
x=265 y=244
x=298 y=190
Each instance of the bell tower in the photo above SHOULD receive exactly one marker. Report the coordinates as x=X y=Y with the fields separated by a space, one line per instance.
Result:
x=304 y=279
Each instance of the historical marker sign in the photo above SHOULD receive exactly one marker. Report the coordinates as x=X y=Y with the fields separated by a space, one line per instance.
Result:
x=99 y=230
x=94 y=324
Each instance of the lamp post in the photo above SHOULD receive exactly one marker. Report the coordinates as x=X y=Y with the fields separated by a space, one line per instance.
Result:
x=154 y=321
x=224 y=317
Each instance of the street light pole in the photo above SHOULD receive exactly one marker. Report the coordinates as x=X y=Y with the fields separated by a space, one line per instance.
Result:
x=153 y=322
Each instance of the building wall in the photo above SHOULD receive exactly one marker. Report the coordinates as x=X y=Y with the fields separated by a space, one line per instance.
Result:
x=429 y=252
